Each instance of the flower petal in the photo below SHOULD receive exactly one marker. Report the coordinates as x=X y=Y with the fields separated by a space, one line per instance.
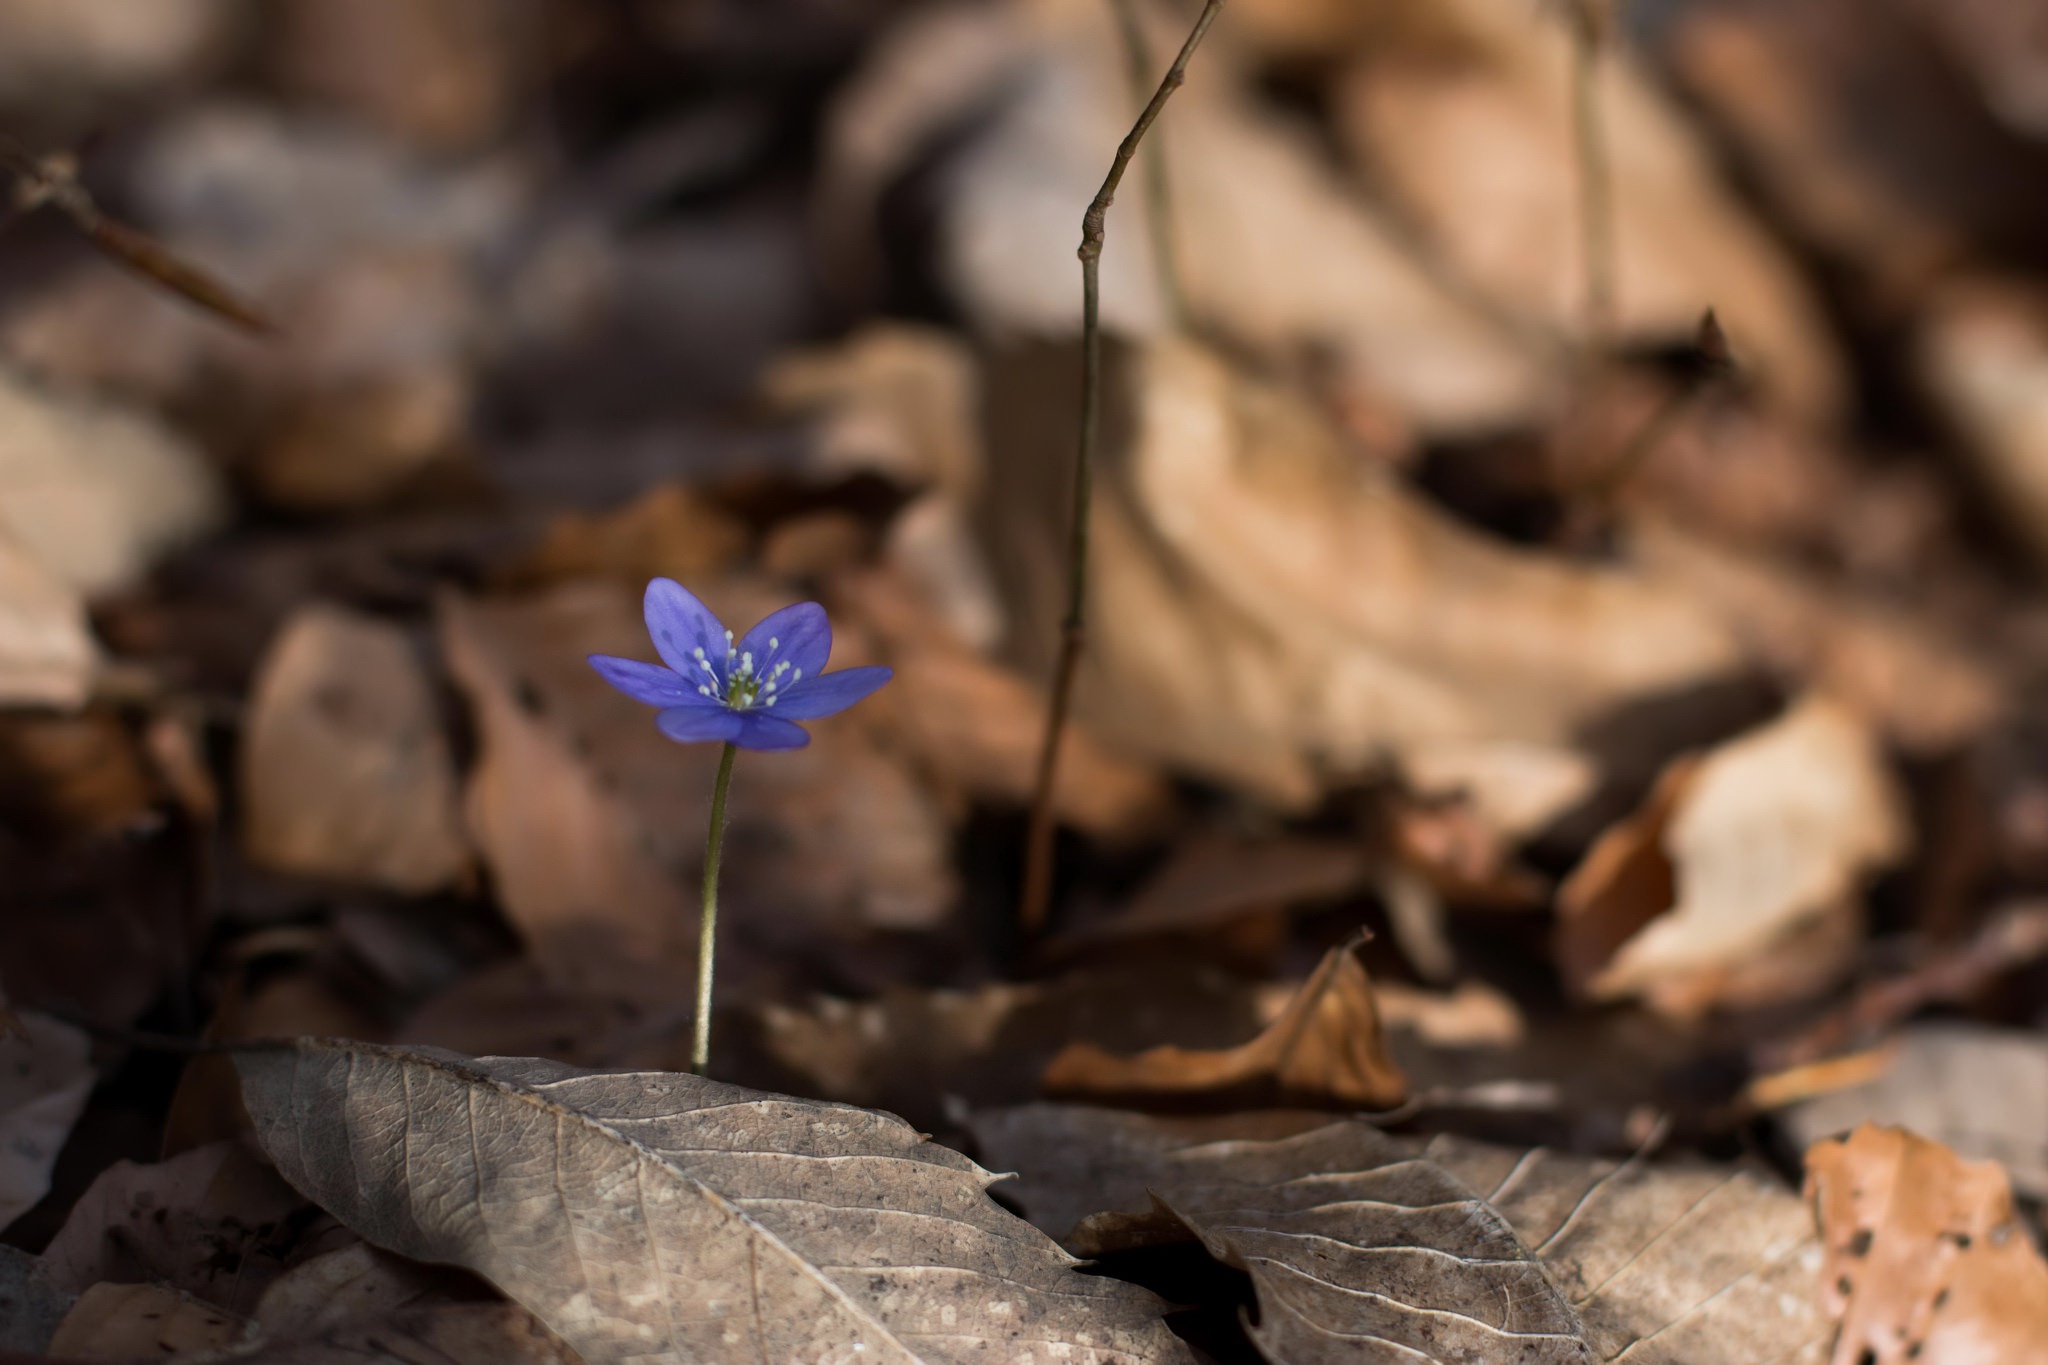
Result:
x=799 y=636
x=651 y=683
x=830 y=694
x=680 y=625
x=758 y=730
x=690 y=724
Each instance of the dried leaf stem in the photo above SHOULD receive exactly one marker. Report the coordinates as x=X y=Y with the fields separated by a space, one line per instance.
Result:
x=707 y=921
x=1037 y=890
x=1158 y=186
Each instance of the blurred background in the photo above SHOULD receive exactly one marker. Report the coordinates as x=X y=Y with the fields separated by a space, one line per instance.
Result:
x=1663 y=693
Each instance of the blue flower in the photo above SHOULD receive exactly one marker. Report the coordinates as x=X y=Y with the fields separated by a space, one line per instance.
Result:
x=751 y=693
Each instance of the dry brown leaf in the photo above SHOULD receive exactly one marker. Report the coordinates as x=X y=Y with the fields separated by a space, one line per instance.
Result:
x=1451 y=1250
x=346 y=774
x=211 y=1223
x=441 y=1334
x=30 y=1308
x=666 y=1218
x=139 y=1322
x=1325 y=1049
x=1479 y=147
x=368 y=441
x=671 y=531
x=356 y=1285
x=1927 y=1259
x=45 y=1077
x=1767 y=841
x=1269 y=611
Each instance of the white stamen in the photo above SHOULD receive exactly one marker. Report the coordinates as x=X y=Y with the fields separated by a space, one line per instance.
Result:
x=703 y=691
x=698 y=654
x=771 y=701
x=773 y=644
x=796 y=677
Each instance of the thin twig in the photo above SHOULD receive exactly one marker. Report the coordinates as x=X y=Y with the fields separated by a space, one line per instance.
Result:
x=1589 y=26
x=52 y=181
x=1158 y=186
x=1038 y=848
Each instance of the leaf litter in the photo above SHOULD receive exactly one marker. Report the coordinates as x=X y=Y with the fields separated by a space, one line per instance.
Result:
x=1677 y=741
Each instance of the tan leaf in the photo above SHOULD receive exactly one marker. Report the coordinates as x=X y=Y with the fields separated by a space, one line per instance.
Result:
x=1927 y=1259
x=1364 y=1247
x=1326 y=1048
x=1758 y=852
x=659 y=1218
x=139 y=1321
x=1228 y=635
x=1210 y=881
x=346 y=773
x=438 y=1334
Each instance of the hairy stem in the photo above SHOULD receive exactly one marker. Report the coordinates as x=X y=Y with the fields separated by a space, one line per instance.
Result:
x=707 y=923
x=1037 y=890
x=1158 y=189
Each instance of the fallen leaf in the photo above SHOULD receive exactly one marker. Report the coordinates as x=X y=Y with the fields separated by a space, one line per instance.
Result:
x=1450 y=1249
x=1982 y=1092
x=1227 y=636
x=440 y=1334
x=731 y=1224
x=346 y=771
x=1982 y=351
x=214 y=1223
x=1326 y=1049
x=30 y=1307
x=45 y=1078
x=1927 y=1259
x=1766 y=841
x=140 y=1322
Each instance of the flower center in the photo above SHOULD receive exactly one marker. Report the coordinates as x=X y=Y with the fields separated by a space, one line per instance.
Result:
x=750 y=684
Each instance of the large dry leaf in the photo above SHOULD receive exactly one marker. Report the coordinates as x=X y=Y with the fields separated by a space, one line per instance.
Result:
x=1760 y=845
x=1362 y=1247
x=346 y=773
x=657 y=1217
x=1983 y=355
x=1325 y=1048
x=45 y=1078
x=1267 y=609
x=1927 y=1259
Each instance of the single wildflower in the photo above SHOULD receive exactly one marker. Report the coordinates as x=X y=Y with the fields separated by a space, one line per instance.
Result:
x=749 y=694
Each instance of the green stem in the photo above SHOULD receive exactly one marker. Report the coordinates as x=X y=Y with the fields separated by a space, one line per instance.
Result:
x=1035 y=899
x=707 y=924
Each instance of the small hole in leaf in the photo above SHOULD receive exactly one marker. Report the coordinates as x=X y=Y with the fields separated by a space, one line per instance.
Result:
x=1940 y=1299
x=1859 y=1245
